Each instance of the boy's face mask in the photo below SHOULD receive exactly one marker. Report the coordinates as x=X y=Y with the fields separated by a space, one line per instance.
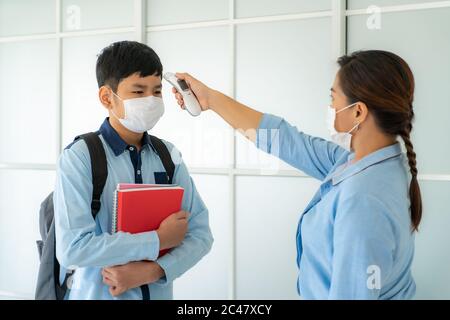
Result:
x=141 y=114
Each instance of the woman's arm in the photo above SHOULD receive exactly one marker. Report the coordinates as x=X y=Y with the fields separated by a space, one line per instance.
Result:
x=271 y=134
x=240 y=117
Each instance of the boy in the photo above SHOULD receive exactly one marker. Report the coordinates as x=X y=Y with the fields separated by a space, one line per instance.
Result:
x=122 y=265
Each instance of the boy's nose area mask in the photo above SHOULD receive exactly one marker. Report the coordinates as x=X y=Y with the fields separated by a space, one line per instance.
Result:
x=141 y=114
x=343 y=139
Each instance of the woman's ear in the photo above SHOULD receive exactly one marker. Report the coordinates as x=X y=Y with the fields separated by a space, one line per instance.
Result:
x=360 y=112
x=104 y=94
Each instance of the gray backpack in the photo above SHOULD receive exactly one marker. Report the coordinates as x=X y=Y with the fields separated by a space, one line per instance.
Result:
x=48 y=286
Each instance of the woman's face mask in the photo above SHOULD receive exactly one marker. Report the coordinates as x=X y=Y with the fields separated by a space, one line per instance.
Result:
x=141 y=114
x=343 y=139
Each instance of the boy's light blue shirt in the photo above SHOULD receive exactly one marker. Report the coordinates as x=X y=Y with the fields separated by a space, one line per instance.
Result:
x=354 y=238
x=88 y=245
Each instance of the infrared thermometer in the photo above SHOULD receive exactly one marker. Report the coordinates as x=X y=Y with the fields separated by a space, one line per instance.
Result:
x=190 y=101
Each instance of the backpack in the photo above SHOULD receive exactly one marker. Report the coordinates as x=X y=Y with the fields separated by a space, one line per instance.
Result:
x=48 y=286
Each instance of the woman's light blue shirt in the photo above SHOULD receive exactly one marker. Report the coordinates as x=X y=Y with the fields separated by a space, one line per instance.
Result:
x=354 y=239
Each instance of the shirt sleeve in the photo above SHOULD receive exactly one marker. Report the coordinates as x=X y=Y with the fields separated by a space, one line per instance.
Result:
x=198 y=240
x=77 y=244
x=313 y=155
x=363 y=248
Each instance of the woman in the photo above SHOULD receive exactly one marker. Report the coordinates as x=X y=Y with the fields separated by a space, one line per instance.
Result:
x=355 y=240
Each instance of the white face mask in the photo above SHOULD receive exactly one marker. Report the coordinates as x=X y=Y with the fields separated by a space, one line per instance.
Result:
x=343 y=139
x=141 y=114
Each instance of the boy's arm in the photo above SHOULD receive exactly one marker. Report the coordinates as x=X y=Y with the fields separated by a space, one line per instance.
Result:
x=77 y=243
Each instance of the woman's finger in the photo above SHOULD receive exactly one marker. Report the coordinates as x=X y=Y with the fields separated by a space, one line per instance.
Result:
x=181 y=75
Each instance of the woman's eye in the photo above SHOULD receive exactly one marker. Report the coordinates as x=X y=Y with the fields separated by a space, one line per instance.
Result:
x=138 y=92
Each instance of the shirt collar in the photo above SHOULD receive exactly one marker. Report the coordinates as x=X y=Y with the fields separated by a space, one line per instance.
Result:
x=117 y=144
x=373 y=158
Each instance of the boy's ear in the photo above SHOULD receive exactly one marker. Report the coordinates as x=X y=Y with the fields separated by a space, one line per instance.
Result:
x=104 y=94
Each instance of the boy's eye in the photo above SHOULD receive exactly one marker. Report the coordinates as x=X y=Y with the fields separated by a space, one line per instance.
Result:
x=138 y=92
x=157 y=92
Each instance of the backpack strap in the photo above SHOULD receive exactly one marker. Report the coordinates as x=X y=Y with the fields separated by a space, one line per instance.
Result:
x=99 y=171
x=99 y=168
x=165 y=157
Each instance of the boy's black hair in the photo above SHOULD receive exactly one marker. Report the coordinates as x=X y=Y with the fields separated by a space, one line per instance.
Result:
x=124 y=58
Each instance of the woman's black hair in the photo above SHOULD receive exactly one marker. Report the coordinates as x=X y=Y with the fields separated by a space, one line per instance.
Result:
x=385 y=83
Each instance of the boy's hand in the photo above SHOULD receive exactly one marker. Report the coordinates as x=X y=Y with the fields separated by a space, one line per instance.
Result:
x=131 y=275
x=172 y=230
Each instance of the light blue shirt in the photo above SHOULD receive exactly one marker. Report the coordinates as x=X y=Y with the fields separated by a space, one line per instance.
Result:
x=88 y=245
x=354 y=238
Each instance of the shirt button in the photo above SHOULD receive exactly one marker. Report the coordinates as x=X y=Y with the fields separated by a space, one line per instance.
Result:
x=131 y=148
x=139 y=172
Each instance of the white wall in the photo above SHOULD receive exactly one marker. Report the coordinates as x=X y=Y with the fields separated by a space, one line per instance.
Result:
x=278 y=56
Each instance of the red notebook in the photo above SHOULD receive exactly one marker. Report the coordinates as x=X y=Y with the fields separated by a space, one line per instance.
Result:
x=142 y=207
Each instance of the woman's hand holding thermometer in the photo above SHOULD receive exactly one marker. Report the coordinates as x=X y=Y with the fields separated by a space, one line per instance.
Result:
x=191 y=94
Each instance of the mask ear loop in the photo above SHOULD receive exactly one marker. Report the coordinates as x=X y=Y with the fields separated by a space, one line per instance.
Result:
x=114 y=114
x=347 y=107
x=355 y=127
x=116 y=95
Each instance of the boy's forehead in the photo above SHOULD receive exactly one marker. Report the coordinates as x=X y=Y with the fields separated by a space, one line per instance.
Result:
x=136 y=79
